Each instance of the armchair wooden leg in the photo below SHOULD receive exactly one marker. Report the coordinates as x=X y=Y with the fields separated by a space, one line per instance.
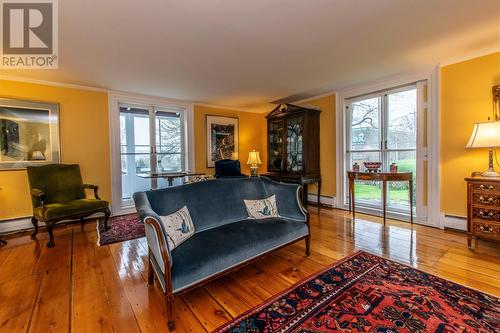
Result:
x=50 y=226
x=107 y=213
x=308 y=245
x=34 y=221
x=170 y=313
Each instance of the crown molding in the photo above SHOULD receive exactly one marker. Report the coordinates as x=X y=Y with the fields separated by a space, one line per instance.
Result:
x=308 y=99
x=470 y=56
x=119 y=93
x=50 y=83
x=223 y=107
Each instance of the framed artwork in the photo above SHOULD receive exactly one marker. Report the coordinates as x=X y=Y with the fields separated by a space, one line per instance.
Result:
x=29 y=133
x=222 y=139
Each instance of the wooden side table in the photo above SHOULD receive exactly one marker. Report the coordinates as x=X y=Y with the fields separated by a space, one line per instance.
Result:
x=483 y=208
x=384 y=177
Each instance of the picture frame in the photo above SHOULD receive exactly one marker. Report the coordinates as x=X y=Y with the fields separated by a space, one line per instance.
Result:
x=222 y=138
x=29 y=134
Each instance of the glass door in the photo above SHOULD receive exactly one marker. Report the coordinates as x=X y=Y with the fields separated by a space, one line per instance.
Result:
x=169 y=140
x=382 y=127
x=401 y=143
x=294 y=156
x=151 y=141
x=276 y=130
x=135 y=143
x=365 y=144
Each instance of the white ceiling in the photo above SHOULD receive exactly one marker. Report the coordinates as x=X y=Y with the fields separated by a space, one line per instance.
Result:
x=242 y=53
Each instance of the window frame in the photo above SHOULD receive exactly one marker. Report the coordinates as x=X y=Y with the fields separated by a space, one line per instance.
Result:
x=117 y=99
x=383 y=151
x=428 y=156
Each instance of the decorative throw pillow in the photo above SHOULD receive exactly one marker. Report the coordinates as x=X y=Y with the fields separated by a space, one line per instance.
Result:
x=261 y=209
x=179 y=227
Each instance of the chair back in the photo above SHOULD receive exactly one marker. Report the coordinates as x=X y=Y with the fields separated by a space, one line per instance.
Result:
x=59 y=182
x=227 y=168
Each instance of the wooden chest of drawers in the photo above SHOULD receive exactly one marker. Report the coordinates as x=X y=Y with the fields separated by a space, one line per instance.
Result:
x=483 y=208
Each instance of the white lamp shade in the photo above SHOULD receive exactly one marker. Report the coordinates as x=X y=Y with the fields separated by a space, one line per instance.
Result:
x=485 y=135
x=254 y=158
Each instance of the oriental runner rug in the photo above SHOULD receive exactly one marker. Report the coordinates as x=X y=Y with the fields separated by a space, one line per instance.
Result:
x=124 y=227
x=367 y=293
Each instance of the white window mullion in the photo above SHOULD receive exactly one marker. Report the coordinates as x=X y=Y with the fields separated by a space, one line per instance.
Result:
x=421 y=210
x=153 y=143
x=130 y=150
x=182 y=117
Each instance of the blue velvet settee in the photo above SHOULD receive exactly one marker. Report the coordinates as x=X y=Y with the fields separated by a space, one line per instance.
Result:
x=224 y=238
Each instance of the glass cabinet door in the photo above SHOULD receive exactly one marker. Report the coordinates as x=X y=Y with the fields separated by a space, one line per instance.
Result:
x=276 y=146
x=294 y=156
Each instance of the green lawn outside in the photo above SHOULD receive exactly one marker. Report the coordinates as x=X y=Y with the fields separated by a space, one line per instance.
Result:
x=373 y=192
x=397 y=191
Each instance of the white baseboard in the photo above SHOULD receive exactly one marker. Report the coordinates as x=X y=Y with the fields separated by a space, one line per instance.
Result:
x=324 y=200
x=21 y=224
x=454 y=222
x=124 y=211
x=16 y=225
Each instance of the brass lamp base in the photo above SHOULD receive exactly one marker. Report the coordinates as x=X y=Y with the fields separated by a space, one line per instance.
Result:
x=490 y=174
x=491 y=171
x=254 y=170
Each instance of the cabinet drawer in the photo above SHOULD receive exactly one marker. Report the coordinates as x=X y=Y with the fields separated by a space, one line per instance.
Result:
x=486 y=199
x=486 y=229
x=486 y=187
x=486 y=214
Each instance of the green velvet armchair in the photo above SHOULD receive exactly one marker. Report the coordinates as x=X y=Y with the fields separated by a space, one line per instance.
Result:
x=58 y=193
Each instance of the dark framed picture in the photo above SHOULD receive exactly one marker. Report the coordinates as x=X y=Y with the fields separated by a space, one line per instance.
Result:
x=222 y=139
x=29 y=133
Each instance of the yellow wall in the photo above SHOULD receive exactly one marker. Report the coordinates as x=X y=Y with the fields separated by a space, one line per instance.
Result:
x=84 y=140
x=252 y=135
x=465 y=99
x=327 y=144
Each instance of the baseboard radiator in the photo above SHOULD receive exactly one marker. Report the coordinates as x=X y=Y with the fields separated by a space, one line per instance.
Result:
x=454 y=222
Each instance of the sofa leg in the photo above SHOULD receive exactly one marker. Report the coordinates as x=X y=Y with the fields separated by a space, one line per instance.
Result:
x=170 y=313
x=34 y=221
x=308 y=245
x=50 y=226
x=151 y=272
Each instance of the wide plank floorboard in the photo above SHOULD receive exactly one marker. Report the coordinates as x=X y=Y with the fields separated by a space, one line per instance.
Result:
x=78 y=286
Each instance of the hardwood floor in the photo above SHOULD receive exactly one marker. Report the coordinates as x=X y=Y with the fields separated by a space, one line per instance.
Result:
x=80 y=287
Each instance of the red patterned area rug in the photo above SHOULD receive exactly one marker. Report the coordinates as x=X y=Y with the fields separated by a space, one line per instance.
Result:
x=124 y=227
x=367 y=293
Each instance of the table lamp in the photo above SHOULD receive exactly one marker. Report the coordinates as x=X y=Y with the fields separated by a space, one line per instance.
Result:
x=254 y=161
x=486 y=135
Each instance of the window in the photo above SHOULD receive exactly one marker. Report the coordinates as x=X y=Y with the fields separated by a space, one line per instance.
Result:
x=151 y=140
x=383 y=127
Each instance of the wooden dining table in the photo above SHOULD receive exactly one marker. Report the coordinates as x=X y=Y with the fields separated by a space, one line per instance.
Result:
x=383 y=177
